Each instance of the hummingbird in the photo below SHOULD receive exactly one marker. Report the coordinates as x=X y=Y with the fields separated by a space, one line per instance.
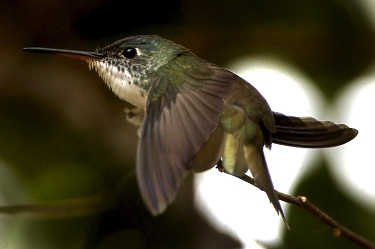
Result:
x=192 y=113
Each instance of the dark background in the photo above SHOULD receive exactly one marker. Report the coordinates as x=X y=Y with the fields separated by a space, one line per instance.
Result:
x=63 y=134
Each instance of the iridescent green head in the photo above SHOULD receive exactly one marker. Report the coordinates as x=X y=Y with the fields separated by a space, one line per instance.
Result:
x=132 y=62
x=136 y=58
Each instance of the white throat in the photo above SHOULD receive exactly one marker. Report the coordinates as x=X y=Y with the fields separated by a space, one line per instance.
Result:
x=120 y=82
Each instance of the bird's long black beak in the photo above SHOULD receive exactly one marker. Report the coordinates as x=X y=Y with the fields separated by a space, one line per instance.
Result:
x=68 y=53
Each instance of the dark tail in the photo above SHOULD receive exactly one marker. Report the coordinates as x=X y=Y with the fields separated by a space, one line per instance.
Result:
x=310 y=133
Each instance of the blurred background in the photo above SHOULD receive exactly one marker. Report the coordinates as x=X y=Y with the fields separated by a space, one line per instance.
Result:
x=64 y=137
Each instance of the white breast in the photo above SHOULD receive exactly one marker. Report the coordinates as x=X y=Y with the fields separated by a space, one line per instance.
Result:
x=120 y=83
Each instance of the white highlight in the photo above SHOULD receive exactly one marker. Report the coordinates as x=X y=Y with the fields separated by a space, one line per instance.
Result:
x=368 y=8
x=353 y=164
x=236 y=207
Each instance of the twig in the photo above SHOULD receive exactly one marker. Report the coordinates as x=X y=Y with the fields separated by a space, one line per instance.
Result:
x=79 y=207
x=301 y=201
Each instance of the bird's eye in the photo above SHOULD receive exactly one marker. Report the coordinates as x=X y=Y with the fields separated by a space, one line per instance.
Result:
x=129 y=53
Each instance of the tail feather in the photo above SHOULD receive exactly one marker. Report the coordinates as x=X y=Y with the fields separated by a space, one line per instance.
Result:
x=258 y=168
x=310 y=133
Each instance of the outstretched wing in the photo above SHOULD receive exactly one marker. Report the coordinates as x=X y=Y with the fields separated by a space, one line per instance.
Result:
x=183 y=109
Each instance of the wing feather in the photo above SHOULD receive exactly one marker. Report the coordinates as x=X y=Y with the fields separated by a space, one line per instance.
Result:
x=179 y=120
